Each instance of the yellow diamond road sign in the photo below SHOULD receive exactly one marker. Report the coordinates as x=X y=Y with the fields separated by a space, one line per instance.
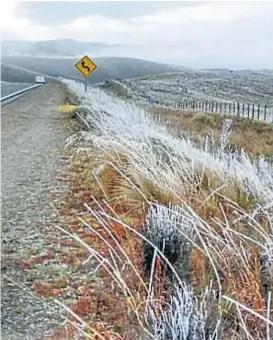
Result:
x=86 y=66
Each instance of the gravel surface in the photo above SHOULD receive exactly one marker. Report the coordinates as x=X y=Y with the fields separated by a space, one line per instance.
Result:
x=33 y=136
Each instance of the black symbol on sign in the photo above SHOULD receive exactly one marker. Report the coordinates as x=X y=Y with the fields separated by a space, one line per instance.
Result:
x=85 y=66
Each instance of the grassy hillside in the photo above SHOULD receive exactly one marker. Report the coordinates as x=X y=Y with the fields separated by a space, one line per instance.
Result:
x=108 y=68
x=240 y=86
x=256 y=138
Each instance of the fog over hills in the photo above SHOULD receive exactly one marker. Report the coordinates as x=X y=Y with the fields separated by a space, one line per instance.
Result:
x=53 y=48
x=56 y=58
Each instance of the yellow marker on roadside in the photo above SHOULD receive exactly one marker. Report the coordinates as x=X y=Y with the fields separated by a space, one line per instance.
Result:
x=67 y=108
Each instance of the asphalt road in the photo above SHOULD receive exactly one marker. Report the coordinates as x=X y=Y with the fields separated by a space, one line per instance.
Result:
x=9 y=88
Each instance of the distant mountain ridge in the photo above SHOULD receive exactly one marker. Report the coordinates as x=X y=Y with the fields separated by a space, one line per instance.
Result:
x=51 y=48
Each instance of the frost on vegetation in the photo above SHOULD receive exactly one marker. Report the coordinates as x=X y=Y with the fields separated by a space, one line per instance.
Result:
x=185 y=318
x=169 y=231
x=226 y=132
x=124 y=126
x=194 y=85
x=267 y=260
x=173 y=164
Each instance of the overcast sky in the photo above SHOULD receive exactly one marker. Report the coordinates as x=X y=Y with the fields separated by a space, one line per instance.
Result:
x=195 y=34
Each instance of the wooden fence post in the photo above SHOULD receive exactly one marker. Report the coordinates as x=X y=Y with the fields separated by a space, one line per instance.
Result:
x=243 y=109
x=216 y=106
x=229 y=108
x=259 y=107
x=253 y=111
x=248 y=110
x=238 y=109
x=265 y=112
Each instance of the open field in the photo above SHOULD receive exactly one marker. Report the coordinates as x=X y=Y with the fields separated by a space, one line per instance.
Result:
x=236 y=93
x=235 y=86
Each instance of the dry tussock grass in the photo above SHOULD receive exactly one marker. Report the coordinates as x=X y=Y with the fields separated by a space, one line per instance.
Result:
x=117 y=304
x=256 y=138
x=220 y=259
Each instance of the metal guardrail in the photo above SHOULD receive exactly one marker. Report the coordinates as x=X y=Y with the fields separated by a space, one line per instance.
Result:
x=17 y=93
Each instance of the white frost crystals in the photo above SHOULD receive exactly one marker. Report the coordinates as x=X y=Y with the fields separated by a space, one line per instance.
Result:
x=175 y=166
x=186 y=318
x=226 y=132
x=126 y=126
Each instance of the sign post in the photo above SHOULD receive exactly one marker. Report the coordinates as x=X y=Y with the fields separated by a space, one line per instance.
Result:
x=86 y=66
x=85 y=84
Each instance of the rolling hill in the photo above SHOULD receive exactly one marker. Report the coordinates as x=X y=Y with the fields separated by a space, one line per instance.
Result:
x=108 y=68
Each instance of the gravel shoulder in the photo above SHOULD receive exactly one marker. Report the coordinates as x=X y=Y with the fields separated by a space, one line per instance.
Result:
x=33 y=136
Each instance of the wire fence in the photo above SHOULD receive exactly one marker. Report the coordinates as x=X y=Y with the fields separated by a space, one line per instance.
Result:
x=250 y=111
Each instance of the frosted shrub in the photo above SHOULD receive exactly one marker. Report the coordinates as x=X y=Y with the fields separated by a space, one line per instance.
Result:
x=185 y=318
x=225 y=133
x=164 y=226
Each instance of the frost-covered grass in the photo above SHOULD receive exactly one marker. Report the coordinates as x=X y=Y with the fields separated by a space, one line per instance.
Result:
x=198 y=264
x=253 y=90
x=246 y=87
x=255 y=137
